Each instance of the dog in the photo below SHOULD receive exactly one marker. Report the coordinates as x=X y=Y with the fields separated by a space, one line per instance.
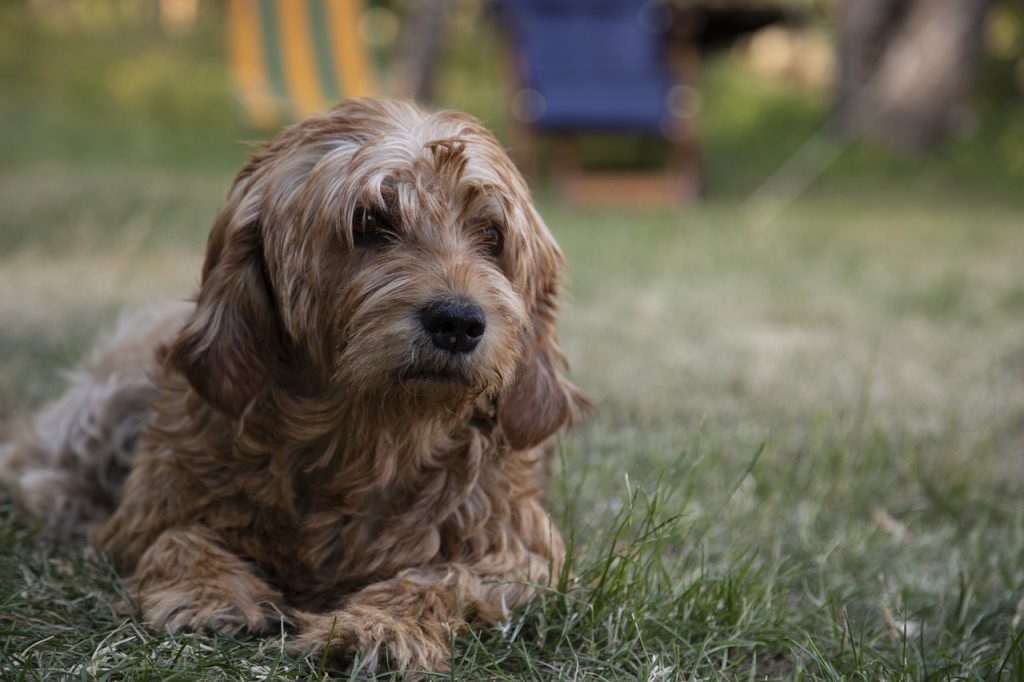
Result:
x=350 y=427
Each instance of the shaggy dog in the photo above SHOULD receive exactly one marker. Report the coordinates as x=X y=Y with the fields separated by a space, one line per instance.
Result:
x=352 y=424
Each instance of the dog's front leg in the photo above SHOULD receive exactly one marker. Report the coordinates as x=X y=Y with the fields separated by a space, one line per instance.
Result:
x=407 y=623
x=187 y=580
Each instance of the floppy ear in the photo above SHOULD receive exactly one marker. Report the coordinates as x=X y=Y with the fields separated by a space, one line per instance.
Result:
x=540 y=400
x=229 y=346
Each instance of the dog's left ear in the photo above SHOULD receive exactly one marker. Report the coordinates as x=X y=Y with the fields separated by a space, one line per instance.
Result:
x=540 y=400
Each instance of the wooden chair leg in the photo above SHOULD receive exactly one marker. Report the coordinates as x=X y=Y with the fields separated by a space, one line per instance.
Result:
x=684 y=63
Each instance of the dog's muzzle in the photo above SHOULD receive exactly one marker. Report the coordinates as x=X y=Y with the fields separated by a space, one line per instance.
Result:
x=454 y=325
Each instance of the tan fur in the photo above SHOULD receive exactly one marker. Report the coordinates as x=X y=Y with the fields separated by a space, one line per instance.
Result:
x=290 y=461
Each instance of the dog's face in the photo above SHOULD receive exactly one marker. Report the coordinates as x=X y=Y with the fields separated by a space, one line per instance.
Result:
x=382 y=254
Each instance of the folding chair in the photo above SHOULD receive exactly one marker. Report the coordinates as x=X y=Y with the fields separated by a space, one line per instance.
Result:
x=293 y=58
x=599 y=66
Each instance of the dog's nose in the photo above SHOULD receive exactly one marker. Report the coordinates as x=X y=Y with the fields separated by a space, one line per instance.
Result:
x=454 y=325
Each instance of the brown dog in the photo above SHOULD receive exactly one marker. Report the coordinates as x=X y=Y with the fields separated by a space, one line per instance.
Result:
x=352 y=424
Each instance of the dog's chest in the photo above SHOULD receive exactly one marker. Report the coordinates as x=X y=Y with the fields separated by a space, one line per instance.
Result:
x=341 y=542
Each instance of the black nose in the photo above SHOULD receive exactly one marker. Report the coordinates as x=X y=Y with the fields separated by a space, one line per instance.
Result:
x=454 y=325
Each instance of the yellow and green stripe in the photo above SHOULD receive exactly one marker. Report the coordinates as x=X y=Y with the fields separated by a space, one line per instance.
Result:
x=294 y=58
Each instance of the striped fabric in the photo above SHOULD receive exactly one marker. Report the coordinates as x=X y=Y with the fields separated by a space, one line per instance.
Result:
x=294 y=58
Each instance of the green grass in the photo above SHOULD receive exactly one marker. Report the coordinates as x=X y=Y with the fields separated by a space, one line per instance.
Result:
x=805 y=458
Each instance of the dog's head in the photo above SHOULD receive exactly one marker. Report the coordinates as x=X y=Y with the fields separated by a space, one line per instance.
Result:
x=388 y=255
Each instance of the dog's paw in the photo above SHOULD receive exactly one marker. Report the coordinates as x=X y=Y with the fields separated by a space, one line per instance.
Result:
x=177 y=609
x=369 y=639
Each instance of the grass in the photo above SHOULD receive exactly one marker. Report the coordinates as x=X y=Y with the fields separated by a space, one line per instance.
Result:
x=805 y=459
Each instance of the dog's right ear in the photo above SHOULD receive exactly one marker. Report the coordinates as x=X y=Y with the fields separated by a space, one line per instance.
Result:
x=229 y=346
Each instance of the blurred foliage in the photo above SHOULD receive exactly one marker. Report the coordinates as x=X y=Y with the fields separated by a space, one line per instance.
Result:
x=1003 y=76
x=102 y=81
x=97 y=81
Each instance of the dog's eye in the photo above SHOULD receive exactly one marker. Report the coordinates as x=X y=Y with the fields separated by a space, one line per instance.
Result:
x=371 y=228
x=492 y=239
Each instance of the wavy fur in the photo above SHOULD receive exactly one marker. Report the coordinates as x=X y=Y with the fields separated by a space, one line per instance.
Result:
x=286 y=454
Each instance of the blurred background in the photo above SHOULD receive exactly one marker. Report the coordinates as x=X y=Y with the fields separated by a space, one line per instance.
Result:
x=793 y=228
x=882 y=134
x=746 y=190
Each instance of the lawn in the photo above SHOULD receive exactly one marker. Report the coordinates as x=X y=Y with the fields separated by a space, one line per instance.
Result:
x=806 y=459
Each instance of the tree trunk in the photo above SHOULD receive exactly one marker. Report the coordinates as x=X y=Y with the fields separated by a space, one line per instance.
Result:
x=421 y=45
x=907 y=68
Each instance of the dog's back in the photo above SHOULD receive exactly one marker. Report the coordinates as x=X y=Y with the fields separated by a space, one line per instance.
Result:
x=67 y=464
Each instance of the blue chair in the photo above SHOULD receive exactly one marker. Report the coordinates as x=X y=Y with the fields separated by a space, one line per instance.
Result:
x=597 y=66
